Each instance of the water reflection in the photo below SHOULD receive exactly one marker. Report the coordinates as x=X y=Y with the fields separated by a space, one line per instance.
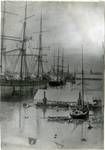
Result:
x=36 y=128
x=44 y=109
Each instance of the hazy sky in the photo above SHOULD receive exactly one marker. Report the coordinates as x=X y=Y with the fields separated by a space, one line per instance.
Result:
x=69 y=25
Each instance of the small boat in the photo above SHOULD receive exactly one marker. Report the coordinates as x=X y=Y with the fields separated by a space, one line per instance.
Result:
x=79 y=114
x=96 y=104
x=82 y=110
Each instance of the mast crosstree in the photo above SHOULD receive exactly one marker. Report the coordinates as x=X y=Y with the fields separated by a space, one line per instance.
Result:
x=24 y=72
x=3 y=36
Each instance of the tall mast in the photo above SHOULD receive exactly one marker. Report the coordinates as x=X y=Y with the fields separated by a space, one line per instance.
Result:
x=58 y=66
x=23 y=50
x=2 y=40
x=104 y=37
x=40 y=65
x=62 y=63
x=54 y=61
x=68 y=68
x=82 y=80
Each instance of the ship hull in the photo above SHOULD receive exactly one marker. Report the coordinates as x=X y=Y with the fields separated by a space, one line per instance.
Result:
x=56 y=83
x=80 y=116
x=16 y=89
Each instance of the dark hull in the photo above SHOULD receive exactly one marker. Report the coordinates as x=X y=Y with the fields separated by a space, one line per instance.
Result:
x=17 y=88
x=56 y=83
x=80 y=116
x=39 y=104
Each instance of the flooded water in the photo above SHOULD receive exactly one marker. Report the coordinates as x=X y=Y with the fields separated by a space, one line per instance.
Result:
x=19 y=124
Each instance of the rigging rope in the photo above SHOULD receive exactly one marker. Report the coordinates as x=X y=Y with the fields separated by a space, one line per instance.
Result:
x=33 y=57
x=16 y=63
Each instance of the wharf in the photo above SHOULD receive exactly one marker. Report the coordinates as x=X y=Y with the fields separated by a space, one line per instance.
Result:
x=61 y=104
x=22 y=82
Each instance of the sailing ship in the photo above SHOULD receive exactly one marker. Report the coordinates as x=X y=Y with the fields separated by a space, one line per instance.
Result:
x=82 y=110
x=59 y=80
x=23 y=76
x=71 y=77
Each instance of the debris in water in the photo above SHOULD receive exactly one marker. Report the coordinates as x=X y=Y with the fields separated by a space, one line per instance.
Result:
x=32 y=141
x=83 y=140
x=90 y=126
x=55 y=135
x=26 y=117
x=58 y=144
x=26 y=105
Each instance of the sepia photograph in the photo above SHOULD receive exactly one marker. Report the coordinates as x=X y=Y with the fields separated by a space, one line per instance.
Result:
x=52 y=75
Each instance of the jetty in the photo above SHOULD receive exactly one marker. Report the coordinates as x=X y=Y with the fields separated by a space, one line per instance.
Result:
x=46 y=98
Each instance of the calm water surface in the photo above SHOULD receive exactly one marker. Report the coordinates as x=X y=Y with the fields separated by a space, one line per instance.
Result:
x=18 y=124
